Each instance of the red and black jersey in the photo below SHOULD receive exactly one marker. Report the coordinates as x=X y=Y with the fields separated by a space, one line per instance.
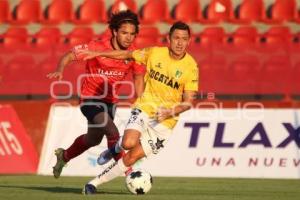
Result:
x=104 y=75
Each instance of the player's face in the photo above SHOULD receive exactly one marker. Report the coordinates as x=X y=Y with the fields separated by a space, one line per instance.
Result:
x=125 y=35
x=179 y=41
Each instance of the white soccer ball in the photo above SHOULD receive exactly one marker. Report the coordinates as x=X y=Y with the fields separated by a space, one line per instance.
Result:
x=139 y=182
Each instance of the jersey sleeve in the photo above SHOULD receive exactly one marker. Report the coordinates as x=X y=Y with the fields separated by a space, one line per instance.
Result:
x=78 y=48
x=141 y=56
x=138 y=69
x=192 y=83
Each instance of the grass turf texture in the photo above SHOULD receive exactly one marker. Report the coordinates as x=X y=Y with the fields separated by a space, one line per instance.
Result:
x=46 y=187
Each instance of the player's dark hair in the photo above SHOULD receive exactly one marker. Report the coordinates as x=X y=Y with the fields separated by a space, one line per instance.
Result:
x=119 y=18
x=181 y=26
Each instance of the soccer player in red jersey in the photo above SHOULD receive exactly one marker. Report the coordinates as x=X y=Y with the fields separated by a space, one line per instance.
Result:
x=98 y=86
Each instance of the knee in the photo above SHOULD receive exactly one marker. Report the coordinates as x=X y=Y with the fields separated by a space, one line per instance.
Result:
x=128 y=144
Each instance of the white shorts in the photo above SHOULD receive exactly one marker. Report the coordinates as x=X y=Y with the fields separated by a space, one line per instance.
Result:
x=154 y=135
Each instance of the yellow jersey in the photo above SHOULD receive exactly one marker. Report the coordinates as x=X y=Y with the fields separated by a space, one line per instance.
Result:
x=166 y=80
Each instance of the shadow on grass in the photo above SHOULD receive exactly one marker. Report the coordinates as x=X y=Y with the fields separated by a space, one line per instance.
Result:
x=60 y=189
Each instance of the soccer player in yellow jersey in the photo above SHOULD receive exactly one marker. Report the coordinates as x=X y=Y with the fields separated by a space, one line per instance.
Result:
x=171 y=83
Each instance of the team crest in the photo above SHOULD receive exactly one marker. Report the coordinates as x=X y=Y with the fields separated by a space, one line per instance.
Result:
x=178 y=74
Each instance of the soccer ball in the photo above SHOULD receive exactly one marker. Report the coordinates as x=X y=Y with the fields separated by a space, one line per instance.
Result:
x=139 y=181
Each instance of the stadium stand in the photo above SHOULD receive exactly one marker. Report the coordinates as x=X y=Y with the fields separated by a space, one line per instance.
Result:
x=58 y=11
x=211 y=35
x=244 y=36
x=154 y=11
x=79 y=35
x=282 y=10
x=249 y=11
x=277 y=35
x=47 y=36
x=217 y=11
x=123 y=5
x=188 y=11
x=147 y=37
x=4 y=11
x=90 y=11
x=233 y=58
x=26 y=11
x=15 y=36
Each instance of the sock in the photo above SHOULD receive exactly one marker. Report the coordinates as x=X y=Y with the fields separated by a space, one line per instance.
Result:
x=78 y=147
x=112 y=140
x=118 y=147
x=114 y=170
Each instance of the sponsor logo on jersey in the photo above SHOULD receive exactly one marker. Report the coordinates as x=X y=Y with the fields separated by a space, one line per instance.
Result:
x=110 y=72
x=169 y=81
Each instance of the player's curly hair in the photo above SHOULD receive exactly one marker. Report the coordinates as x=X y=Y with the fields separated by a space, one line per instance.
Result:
x=119 y=18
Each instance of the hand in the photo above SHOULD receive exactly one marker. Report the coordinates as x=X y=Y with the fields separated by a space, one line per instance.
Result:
x=58 y=75
x=163 y=113
x=87 y=54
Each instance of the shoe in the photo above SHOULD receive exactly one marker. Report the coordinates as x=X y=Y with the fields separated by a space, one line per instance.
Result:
x=107 y=155
x=104 y=157
x=89 y=189
x=60 y=163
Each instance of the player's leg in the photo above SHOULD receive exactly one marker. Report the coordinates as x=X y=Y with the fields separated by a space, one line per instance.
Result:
x=127 y=142
x=80 y=145
x=134 y=123
x=99 y=116
x=120 y=167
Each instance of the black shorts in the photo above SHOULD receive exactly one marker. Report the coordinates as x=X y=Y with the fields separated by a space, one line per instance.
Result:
x=91 y=107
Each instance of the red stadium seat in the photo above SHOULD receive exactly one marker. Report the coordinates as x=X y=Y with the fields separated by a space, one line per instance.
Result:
x=154 y=11
x=4 y=11
x=244 y=36
x=243 y=75
x=212 y=73
x=212 y=35
x=188 y=11
x=2 y=68
x=71 y=74
x=15 y=36
x=58 y=11
x=295 y=80
x=148 y=36
x=91 y=11
x=149 y=31
x=277 y=35
x=249 y=11
x=282 y=10
x=27 y=11
x=47 y=36
x=45 y=67
x=80 y=35
x=217 y=11
x=276 y=76
x=123 y=5
x=20 y=71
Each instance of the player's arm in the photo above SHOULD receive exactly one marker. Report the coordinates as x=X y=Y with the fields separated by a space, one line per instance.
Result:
x=139 y=84
x=64 y=61
x=114 y=54
x=186 y=104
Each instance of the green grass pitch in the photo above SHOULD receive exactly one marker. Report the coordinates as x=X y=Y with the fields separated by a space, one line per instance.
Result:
x=45 y=187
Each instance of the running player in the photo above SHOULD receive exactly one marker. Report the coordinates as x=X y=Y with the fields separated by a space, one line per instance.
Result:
x=171 y=85
x=97 y=89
